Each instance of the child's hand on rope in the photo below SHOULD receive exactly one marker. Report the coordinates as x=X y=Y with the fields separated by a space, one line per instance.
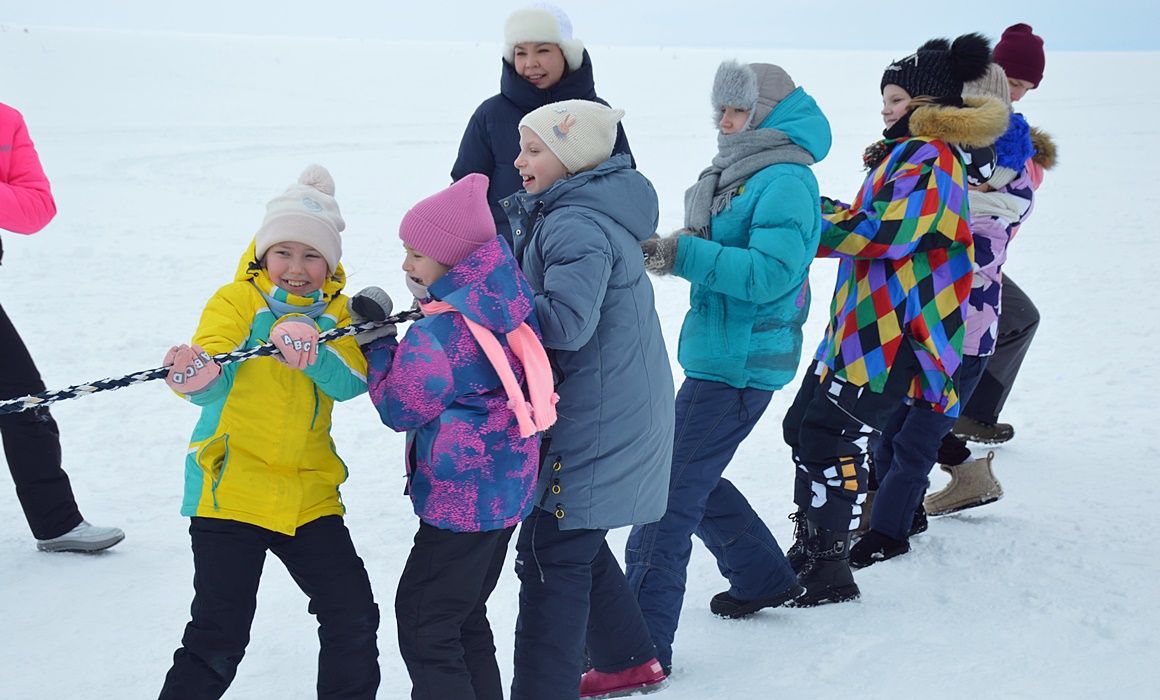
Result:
x=191 y=369
x=297 y=341
x=372 y=304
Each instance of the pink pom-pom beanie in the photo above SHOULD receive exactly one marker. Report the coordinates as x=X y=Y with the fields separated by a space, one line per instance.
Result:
x=451 y=224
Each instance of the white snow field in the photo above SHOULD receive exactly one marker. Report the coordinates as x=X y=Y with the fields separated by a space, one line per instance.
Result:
x=163 y=150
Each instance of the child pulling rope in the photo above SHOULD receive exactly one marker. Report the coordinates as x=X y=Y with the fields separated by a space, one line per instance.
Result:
x=44 y=398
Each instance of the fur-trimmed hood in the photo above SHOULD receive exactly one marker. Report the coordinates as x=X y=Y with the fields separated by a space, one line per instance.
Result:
x=978 y=123
x=1045 y=153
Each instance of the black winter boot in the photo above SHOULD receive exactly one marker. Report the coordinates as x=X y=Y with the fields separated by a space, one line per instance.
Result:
x=875 y=547
x=826 y=574
x=797 y=551
x=725 y=605
x=919 y=523
x=986 y=433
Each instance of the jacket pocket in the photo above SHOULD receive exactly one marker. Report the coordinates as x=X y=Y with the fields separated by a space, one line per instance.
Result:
x=213 y=457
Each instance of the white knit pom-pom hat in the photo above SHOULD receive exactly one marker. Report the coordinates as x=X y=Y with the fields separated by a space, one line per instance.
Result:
x=305 y=213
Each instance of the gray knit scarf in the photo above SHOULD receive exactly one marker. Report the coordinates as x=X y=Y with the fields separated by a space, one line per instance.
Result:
x=738 y=157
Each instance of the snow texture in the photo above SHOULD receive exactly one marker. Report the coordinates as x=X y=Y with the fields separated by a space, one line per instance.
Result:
x=163 y=150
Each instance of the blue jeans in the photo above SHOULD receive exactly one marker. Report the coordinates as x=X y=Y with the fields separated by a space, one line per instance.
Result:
x=906 y=453
x=712 y=420
x=571 y=589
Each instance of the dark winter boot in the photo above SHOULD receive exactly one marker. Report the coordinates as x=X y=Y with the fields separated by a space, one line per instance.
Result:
x=875 y=547
x=797 y=551
x=725 y=605
x=826 y=574
x=972 y=430
x=919 y=523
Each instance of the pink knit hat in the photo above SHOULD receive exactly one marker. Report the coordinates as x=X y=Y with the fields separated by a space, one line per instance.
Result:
x=448 y=226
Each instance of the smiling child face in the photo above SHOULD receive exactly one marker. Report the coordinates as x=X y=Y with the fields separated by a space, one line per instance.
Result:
x=538 y=165
x=295 y=267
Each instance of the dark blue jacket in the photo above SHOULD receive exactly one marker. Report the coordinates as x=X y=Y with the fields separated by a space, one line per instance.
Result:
x=492 y=139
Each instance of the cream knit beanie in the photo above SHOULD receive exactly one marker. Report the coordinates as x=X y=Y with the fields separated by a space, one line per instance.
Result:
x=992 y=84
x=580 y=133
x=305 y=213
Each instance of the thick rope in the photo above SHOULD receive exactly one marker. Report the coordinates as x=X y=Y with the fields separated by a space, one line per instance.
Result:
x=44 y=398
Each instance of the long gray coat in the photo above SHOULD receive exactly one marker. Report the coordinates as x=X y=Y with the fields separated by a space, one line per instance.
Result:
x=578 y=242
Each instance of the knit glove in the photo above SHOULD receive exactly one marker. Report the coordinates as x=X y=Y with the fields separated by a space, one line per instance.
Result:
x=297 y=341
x=661 y=253
x=372 y=304
x=191 y=369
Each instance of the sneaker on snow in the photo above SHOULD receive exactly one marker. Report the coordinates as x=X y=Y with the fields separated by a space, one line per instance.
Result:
x=83 y=538
x=984 y=433
x=973 y=484
x=725 y=605
x=645 y=678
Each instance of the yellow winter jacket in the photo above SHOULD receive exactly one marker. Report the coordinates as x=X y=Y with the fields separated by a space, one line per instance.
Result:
x=261 y=452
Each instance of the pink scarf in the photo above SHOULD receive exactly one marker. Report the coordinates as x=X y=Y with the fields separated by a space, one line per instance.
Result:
x=533 y=416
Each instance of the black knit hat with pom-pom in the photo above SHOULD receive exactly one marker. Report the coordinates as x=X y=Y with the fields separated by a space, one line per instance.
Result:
x=939 y=68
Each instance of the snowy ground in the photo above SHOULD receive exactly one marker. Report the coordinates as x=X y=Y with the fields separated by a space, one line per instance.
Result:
x=163 y=150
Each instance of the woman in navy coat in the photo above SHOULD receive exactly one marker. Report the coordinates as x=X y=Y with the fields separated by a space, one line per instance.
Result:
x=542 y=63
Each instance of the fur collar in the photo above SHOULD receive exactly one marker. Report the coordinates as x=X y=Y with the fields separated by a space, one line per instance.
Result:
x=979 y=122
x=1045 y=153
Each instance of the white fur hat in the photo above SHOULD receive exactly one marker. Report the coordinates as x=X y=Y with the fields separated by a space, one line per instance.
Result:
x=305 y=213
x=580 y=133
x=542 y=23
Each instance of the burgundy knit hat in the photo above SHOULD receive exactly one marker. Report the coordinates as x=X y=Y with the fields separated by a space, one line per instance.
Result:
x=1020 y=52
x=450 y=225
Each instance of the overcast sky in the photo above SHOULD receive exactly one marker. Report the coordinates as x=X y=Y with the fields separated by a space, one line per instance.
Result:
x=822 y=24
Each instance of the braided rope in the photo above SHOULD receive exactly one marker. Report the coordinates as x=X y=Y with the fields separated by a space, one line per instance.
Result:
x=44 y=398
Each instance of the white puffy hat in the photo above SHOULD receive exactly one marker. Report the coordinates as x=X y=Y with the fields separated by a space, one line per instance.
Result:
x=542 y=23
x=305 y=213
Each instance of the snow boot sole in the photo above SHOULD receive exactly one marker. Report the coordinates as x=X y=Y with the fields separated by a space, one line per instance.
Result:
x=725 y=605
x=842 y=594
x=628 y=691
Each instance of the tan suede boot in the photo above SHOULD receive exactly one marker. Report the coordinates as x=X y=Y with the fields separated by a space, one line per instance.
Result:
x=972 y=484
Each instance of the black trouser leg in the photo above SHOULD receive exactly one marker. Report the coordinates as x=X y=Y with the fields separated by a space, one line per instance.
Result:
x=32 y=444
x=322 y=560
x=441 y=610
x=1018 y=321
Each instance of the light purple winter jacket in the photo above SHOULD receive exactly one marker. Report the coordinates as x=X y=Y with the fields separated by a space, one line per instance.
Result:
x=995 y=218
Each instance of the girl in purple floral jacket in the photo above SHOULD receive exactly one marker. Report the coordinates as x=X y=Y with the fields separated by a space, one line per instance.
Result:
x=455 y=383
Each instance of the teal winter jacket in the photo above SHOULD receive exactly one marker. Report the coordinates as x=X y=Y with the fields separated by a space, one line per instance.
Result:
x=751 y=289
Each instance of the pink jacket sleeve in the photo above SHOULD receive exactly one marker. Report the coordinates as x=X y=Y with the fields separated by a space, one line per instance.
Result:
x=26 y=203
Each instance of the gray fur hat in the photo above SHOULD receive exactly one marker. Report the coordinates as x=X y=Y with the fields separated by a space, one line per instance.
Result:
x=757 y=87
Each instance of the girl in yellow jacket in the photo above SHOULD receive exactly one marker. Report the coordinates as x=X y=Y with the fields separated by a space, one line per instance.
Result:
x=261 y=472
